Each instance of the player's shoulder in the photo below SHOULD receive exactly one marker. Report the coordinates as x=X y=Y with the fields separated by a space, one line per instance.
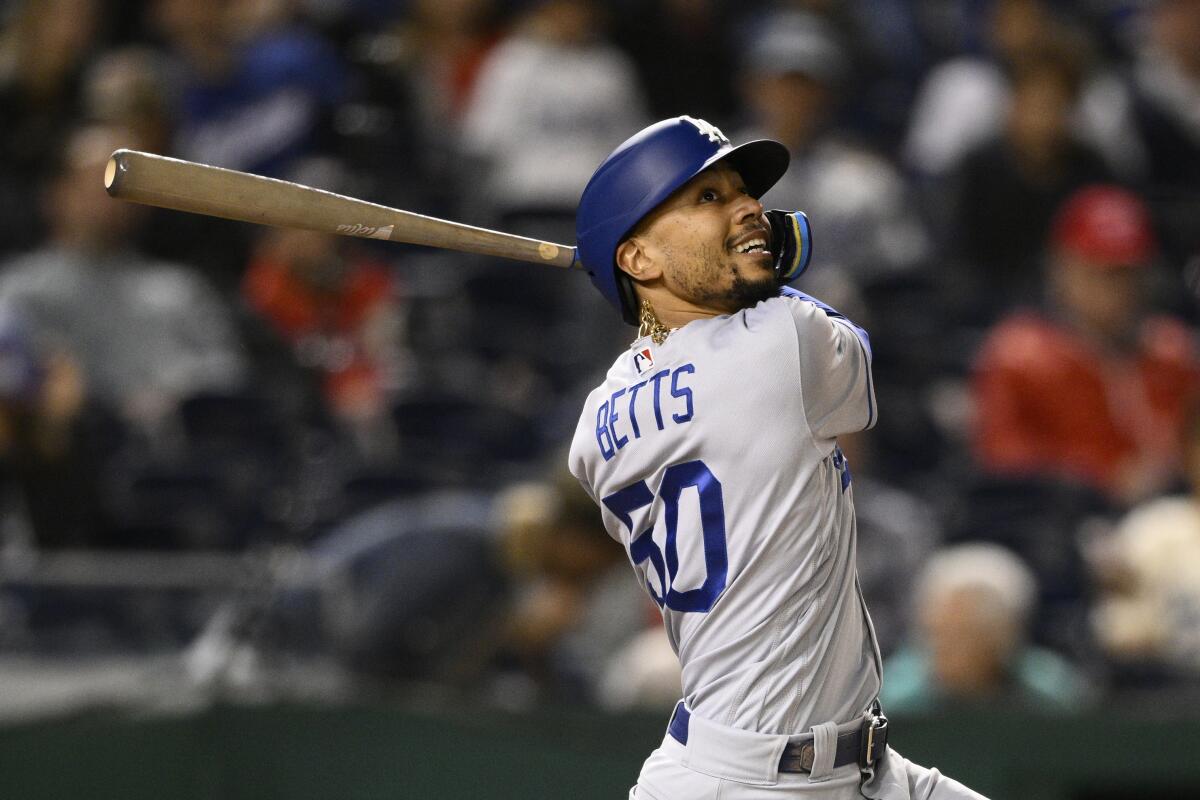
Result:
x=781 y=309
x=709 y=339
x=622 y=371
x=806 y=312
x=581 y=453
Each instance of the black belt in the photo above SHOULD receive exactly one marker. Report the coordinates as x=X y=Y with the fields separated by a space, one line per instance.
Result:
x=861 y=746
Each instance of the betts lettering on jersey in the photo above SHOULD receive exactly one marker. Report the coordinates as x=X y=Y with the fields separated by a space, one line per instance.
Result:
x=643 y=360
x=612 y=420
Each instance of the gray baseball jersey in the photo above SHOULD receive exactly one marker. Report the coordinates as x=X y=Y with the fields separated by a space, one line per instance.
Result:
x=714 y=460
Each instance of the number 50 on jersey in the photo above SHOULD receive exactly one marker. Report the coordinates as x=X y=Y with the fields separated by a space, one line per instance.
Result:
x=665 y=562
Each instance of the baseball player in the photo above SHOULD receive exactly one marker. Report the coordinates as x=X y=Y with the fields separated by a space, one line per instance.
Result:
x=711 y=449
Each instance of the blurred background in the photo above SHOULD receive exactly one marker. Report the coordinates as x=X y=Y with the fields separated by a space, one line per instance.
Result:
x=284 y=515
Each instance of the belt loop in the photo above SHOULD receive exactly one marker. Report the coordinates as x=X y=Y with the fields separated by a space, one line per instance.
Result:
x=678 y=727
x=825 y=737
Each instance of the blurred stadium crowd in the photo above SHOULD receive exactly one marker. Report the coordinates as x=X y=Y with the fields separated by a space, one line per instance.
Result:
x=1005 y=192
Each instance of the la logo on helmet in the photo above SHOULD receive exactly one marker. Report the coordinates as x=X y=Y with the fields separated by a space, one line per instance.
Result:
x=708 y=129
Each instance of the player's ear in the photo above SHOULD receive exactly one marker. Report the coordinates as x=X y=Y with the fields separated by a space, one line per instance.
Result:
x=635 y=259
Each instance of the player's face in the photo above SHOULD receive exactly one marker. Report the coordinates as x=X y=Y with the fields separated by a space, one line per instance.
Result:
x=711 y=240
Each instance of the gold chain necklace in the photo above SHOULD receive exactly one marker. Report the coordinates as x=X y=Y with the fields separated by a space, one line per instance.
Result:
x=650 y=325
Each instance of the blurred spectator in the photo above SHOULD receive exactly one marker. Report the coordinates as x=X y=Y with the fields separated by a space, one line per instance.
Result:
x=796 y=67
x=551 y=101
x=1009 y=188
x=682 y=49
x=1092 y=389
x=412 y=83
x=964 y=101
x=126 y=88
x=891 y=59
x=575 y=606
x=974 y=604
x=51 y=450
x=1149 y=570
x=248 y=89
x=1167 y=86
x=446 y=43
x=1166 y=111
x=338 y=310
x=256 y=89
x=146 y=333
x=409 y=589
x=897 y=530
x=43 y=50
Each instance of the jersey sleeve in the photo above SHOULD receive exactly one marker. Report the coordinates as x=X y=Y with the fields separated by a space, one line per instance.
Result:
x=835 y=368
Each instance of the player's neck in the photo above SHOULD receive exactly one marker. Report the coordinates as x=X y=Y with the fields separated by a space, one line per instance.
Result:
x=672 y=312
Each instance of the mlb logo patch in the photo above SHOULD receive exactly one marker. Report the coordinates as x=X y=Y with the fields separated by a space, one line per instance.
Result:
x=643 y=360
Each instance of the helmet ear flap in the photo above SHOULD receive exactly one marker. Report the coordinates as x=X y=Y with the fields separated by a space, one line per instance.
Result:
x=628 y=298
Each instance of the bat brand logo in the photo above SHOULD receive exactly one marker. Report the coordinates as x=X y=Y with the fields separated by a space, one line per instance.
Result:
x=708 y=129
x=366 y=231
x=643 y=360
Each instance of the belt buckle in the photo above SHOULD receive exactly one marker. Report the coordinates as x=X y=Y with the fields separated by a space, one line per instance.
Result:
x=876 y=724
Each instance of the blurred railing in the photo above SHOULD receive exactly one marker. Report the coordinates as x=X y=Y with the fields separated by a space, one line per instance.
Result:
x=141 y=570
x=460 y=751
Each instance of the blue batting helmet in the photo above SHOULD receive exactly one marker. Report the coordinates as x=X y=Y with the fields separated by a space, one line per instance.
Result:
x=642 y=173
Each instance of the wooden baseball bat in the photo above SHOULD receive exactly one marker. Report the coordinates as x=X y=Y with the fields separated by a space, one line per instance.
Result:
x=202 y=189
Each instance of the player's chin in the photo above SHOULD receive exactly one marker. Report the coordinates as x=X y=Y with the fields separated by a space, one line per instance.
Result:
x=752 y=266
x=751 y=287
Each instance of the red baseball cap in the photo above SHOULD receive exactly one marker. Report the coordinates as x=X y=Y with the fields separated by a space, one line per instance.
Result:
x=1107 y=226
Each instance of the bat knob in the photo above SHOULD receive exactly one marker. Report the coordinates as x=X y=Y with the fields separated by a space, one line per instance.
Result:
x=112 y=171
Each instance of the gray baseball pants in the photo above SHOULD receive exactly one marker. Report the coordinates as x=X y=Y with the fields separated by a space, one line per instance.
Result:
x=721 y=763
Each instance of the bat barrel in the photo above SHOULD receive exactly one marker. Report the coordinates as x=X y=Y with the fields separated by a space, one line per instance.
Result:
x=202 y=189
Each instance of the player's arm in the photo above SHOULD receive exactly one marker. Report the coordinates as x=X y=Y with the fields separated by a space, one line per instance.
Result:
x=835 y=368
